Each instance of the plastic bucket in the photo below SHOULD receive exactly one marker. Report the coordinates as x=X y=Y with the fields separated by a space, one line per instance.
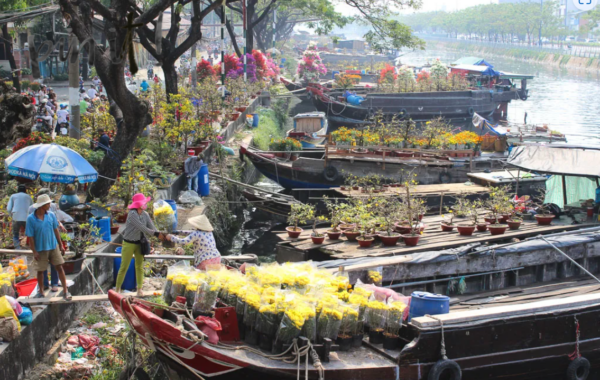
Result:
x=104 y=226
x=129 y=283
x=173 y=205
x=25 y=288
x=255 y=119
x=423 y=303
x=68 y=201
x=333 y=73
x=203 y=183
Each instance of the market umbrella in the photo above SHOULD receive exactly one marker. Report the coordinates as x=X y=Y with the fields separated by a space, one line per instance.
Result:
x=52 y=163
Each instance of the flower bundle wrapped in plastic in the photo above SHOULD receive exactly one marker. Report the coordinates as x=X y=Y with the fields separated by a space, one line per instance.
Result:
x=7 y=281
x=206 y=297
x=361 y=300
x=376 y=314
x=292 y=323
x=394 y=317
x=266 y=320
x=349 y=325
x=328 y=324
x=375 y=276
x=309 y=329
x=173 y=272
x=180 y=282
x=190 y=291
x=164 y=216
x=251 y=308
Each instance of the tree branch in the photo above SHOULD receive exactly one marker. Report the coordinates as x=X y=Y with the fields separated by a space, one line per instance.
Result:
x=264 y=14
x=100 y=9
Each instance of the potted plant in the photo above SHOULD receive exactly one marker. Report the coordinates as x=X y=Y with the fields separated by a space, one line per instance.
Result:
x=336 y=212
x=391 y=339
x=498 y=204
x=367 y=222
x=317 y=237
x=413 y=207
x=343 y=139
x=299 y=213
x=65 y=238
x=470 y=210
x=514 y=222
x=543 y=216
x=85 y=235
x=388 y=210
x=448 y=224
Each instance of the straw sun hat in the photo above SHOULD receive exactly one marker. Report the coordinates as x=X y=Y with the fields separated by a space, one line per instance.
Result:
x=201 y=222
x=42 y=200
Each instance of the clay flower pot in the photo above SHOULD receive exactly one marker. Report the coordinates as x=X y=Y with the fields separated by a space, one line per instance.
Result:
x=491 y=220
x=294 y=233
x=513 y=224
x=504 y=218
x=365 y=242
x=544 y=220
x=447 y=227
x=317 y=239
x=402 y=228
x=355 y=187
x=351 y=236
x=389 y=241
x=333 y=235
x=345 y=227
x=497 y=229
x=465 y=229
x=482 y=227
x=411 y=240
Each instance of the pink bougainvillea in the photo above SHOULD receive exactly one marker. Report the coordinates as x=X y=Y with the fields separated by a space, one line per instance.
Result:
x=311 y=66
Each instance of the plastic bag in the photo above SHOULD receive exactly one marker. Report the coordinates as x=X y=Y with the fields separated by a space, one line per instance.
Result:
x=395 y=316
x=206 y=298
x=26 y=316
x=190 y=197
x=6 y=311
x=19 y=265
x=291 y=325
x=164 y=216
x=7 y=282
x=309 y=329
x=376 y=314
x=251 y=307
x=266 y=319
x=349 y=325
x=180 y=282
x=181 y=267
x=375 y=275
x=329 y=322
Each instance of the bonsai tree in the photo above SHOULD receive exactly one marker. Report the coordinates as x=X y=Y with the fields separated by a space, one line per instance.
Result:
x=498 y=202
x=412 y=206
x=300 y=213
x=389 y=210
x=336 y=212
x=85 y=237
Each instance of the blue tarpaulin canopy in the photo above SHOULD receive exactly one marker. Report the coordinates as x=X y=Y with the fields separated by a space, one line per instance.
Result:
x=476 y=61
x=482 y=70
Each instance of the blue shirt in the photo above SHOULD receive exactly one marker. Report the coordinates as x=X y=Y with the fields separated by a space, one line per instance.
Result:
x=42 y=231
x=18 y=204
x=144 y=86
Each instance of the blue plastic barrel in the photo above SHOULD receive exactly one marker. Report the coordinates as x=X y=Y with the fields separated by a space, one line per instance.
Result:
x=173 y=205
x=104 y=225
x=129 y=283
x=598 y=195
x=255 y=120
x=203 y=185
x=333 y=73
x=423 y=303
x=282 y=60
x=68 y=201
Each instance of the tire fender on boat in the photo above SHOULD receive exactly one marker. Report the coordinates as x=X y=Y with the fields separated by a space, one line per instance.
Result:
x=403 y=112
x=446 y=367
x=471 y=111
x=445 y=177
x=330 y=173
x=579 y=369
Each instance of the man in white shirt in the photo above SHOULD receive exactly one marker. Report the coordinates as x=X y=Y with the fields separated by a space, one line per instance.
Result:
x=63 y=119
x=92 y=92
x=96 y=81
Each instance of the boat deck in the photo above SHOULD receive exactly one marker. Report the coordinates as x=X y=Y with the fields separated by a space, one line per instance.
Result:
x=433 y=239
x=448 y=189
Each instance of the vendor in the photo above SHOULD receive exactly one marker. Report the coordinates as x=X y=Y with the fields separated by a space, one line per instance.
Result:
x=18 y=205
x=192 y=167
x=138 y=224
x=206 y=254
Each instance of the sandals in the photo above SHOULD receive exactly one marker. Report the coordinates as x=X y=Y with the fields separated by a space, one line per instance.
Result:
x=67 y=296
x=39 y=295
x=54 y=289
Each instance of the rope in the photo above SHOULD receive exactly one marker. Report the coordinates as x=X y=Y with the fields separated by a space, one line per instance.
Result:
x=576 y=354
x=443 y=346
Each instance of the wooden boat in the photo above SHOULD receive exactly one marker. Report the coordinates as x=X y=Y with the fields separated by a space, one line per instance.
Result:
x=523 y=331
x=293 y=86
x=310 y=129
x=326 y=169
x=415 y=105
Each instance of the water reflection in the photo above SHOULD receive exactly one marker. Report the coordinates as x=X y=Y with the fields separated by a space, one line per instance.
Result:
x=563 y=99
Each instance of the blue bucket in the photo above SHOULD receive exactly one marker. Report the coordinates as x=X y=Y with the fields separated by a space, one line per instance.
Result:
x=203 y=184
x=333 y=74
x=129 y=283
x=104 y=226
x=423 y=303
x=255 y=119
x=173 y=205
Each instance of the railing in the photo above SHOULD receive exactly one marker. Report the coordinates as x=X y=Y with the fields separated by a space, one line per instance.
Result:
x=554 y=48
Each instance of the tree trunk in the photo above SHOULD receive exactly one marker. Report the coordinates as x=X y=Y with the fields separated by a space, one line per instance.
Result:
x=170 y=78
x=8 y=42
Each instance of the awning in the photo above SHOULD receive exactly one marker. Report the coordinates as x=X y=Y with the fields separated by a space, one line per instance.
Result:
x=562 y=159
x=504 y=75
x=481 y=70
x=476 y=61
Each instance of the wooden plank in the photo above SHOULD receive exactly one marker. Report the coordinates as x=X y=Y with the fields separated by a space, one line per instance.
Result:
x=77 y=299
x=547 y=306
x=173 y=257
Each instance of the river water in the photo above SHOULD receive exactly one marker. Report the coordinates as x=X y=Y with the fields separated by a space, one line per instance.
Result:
x=565 y=100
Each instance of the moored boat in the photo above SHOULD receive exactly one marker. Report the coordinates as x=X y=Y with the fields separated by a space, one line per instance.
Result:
x=310 y=129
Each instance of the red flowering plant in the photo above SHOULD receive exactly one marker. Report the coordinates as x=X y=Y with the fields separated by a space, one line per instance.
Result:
x=34 y=139
x=205 y=70
x=423 y=76
x=261 y=64
x=387 y=75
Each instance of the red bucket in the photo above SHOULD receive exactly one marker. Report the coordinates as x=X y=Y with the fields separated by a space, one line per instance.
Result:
x=25 y=288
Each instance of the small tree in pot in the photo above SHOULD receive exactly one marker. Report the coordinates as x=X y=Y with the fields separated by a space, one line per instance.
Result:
x=336 y=213
x=389 y=210
x=300 y=213
x=544 y=216
x=412 y=208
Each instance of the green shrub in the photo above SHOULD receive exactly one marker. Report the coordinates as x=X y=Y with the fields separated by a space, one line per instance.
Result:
x=25 y=84
x=25 y=71
x=61 y=77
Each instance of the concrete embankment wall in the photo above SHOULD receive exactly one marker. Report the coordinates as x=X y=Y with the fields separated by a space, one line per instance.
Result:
x=591 y=63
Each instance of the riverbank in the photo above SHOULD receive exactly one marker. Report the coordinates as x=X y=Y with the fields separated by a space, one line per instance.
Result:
x=519 y=53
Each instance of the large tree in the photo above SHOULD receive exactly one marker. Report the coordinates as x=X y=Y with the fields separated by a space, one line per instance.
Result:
x=170 y=50
x=110 y=69
x=8 y=6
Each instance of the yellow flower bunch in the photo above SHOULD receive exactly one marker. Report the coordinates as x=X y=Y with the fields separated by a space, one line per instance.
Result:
x=374 y=276
x=296 y=317
x=360 y=291
x=332 y=313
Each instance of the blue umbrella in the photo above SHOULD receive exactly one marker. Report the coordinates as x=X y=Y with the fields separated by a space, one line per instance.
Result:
x=52 y=163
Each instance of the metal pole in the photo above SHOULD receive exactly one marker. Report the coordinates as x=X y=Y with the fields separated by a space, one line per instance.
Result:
x=223 y=16
x=74 y=117
x=568 y=257
x=274 y=22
